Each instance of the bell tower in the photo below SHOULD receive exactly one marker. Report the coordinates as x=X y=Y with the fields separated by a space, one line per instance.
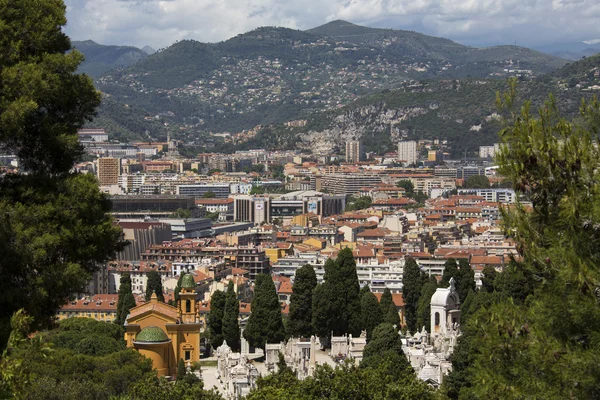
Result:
x=187 y=300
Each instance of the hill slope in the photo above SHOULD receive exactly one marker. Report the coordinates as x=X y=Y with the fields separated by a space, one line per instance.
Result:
x=100 y=59
x=272 y=75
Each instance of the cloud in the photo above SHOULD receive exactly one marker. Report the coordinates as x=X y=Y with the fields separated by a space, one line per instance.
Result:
x=159 y=23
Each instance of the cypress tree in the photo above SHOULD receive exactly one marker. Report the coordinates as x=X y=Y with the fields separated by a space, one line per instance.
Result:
x=411 y=291
x=300 y=316
x=350 y=288
x=465 y=279
x=265 y=324
x=154 y=285
x=126 y=300
x=215 y=318
x=321 y=311
x=392 y=316
x=488 y=279
x=450 y=271
x=178 y=287
x=181 y=371
x=424 y=304
x=385 y=301
x=231 y=327
x=371 y=313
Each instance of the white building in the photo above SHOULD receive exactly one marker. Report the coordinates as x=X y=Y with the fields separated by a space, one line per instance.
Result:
x=489 y=151
x=407 y=152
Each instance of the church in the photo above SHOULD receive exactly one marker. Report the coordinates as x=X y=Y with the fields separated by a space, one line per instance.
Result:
x=164 y=333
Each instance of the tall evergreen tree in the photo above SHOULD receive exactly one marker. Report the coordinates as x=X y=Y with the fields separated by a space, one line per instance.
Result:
x=542 y=326
x=126 y=300
x=424 y=304
x=385 y=338
x=392 y=317
x=411 y=291
x=321 y=311
x=181 y=371
x=385 y=301
x=488 y=279
x=178 y=287
x=154 y=285
x=450 y=271
x=231 y=327
x=350 y=288
x=300 y=316
x=465 y=279
x=265 y=324
x=54 y=225
x=371 y=312
x=215 y=318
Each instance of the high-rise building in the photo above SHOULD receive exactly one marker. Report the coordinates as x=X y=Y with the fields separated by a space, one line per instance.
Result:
x=407 y=152
x=109 y=169
x=354 y=151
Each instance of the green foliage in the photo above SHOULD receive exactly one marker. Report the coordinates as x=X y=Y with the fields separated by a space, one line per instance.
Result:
x=424 y=304
x=465 y=280
x=371 y=313
x=321 y=309
x=231 y=314
x=392 y=317
x=300 y=315
x=265 y=324
x=188 y=388
x=88 y=361
x=126 y=300
x=477 y=182
x=359 y=203
x=387 y=378
x=336 y=302
x=181 y=371
x=450 y=271
x=257 y=190
x=488 y=279
x=385 y=301
x=385 y=338
x=411 y=291
x=61 y=227
x=178 y=289
x=54 y=228
x=182 y=213
x=212 y=215
x=154 y=285
x=209 y=195
x=407 y=185
x=215 y=318
x=100 y=59
x=542 y=326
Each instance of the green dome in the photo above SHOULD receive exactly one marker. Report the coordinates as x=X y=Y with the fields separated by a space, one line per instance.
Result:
x=188 y=282
x=152 y=334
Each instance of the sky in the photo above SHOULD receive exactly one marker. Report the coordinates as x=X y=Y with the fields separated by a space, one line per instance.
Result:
x=159 y=23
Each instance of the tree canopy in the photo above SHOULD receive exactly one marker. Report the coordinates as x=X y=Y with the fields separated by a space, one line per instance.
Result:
x=215 y=318
x=542 y=322
x=231 y=314
x=126 y=300
x=154 y=285
x=54 y=227
x=411 y=291
x=300 y=315
x=265 y=324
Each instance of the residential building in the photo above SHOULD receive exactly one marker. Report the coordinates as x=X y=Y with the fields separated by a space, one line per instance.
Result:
x=109 y=169
x=354 y=151
x=407 y=152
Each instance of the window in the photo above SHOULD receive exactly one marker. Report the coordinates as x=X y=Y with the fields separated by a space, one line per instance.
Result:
x=188 y=306
x=188 y=355
x=437 y=318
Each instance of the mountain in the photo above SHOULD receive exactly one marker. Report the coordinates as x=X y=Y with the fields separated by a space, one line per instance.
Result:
x=99 y=58
x=148 y=50
x=272 y=75
x=463 y=112
x=573 y=50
